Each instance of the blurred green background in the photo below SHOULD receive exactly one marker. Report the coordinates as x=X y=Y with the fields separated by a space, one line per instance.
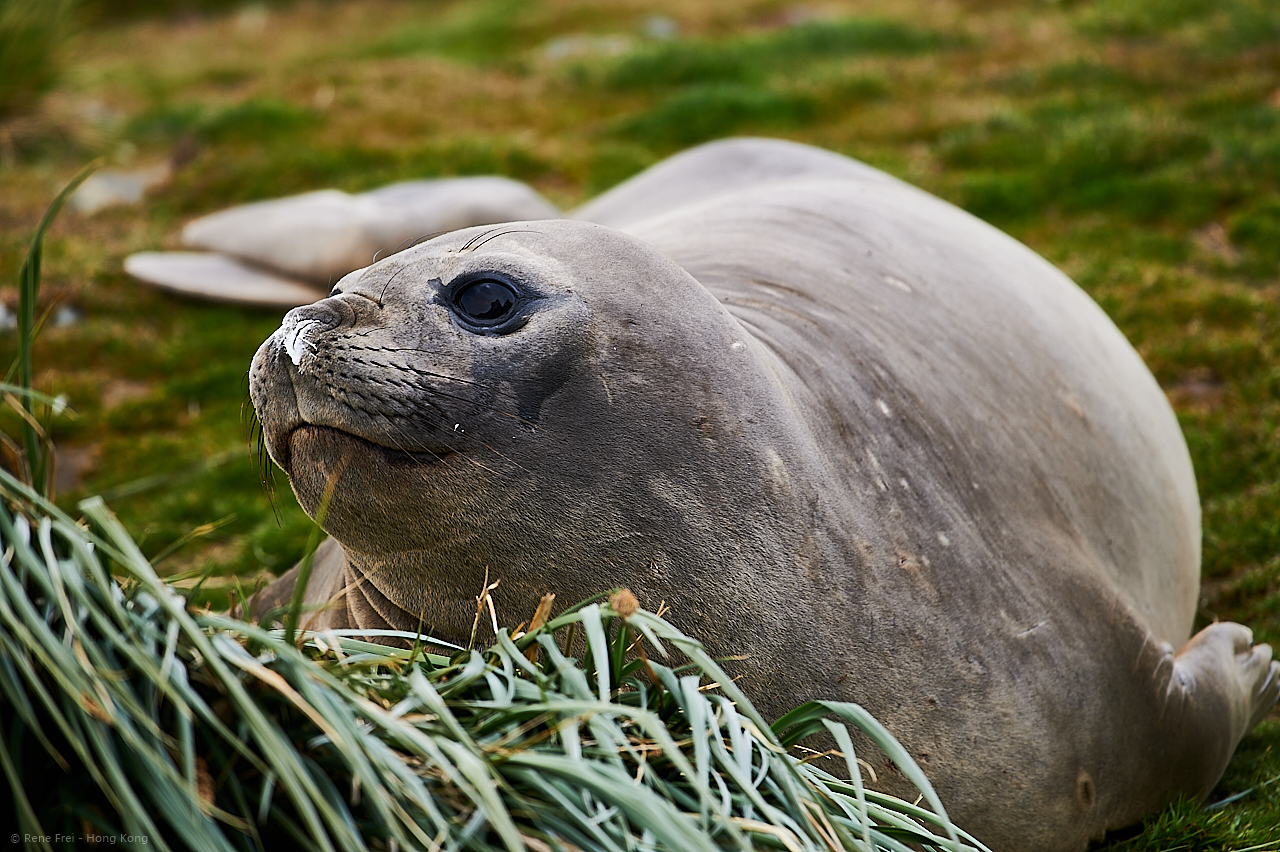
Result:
x=1135 y=143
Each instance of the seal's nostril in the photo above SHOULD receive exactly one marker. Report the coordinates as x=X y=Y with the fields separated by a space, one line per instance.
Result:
x=329 y=312
x=301 y=325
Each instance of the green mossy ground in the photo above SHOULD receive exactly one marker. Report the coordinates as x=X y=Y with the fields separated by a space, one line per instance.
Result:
x=1135 y=143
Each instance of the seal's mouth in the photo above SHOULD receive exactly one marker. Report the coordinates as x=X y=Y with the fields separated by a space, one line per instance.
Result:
x=391 y=456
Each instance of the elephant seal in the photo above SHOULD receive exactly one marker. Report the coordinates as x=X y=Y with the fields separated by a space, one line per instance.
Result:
x=839 y=426
x=288 y=251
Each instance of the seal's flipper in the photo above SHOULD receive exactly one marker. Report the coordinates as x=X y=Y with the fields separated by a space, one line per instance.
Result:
x=219 y=278
x=323 y=602
x=321 y=236
x=1221 y=685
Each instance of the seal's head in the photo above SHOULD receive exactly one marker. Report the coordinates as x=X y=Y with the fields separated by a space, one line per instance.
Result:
x=542 y=400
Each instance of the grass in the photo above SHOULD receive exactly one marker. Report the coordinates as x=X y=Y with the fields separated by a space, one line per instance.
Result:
x=175 y=728
x=1134 y=143
x=708 y=111
x=32 y=33
x=752 y=58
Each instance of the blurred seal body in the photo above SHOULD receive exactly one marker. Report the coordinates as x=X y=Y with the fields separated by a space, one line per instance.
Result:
x=836 y=424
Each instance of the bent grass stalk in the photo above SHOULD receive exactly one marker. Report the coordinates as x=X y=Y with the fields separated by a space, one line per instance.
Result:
x=293 y=618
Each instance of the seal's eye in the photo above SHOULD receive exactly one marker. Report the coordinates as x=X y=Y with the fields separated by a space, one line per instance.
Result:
x=486 y=301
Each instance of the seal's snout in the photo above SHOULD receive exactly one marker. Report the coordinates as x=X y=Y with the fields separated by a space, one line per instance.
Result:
x=301 y=325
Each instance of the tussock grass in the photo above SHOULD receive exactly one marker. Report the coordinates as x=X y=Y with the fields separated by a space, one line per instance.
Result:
x=131 y=717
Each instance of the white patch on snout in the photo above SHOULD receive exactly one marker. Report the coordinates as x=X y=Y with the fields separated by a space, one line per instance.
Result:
x=293 y=337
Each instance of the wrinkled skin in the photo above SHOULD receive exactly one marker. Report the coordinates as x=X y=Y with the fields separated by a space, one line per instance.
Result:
x=835 y=424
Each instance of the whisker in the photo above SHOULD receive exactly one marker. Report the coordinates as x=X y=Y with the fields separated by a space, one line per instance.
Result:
x=422 y=372
x=405 y=243
x=401 y=434
x=439 y=427
x=448 y=446
x=425 y=238
x=503 y=234
x=409 y=243
x=467 y=245
x=417 y=384
x=265 y=466
x=430 y=374
x=388 y=284
x=500 y=455
x=482 y=405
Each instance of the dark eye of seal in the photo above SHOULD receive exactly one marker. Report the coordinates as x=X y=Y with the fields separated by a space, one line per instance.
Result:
x=485 y=302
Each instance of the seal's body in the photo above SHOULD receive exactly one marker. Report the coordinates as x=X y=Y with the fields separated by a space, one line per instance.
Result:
x=836 y=424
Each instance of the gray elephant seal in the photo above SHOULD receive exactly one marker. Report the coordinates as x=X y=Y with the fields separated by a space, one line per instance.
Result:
x=836 y=424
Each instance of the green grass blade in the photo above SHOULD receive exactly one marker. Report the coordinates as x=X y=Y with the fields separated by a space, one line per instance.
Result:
x=28 y=292
x=678 y=830
x=845 y=744
x=885 y=741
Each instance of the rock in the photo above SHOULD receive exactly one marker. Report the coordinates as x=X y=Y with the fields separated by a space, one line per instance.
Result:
x=111 y=188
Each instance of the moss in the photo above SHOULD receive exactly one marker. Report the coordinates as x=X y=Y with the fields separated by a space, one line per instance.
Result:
x=683 y=63
x=711 y=110
x=1144 y=17
x=478 y=31
x=1256 y=229
x=32 y=37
